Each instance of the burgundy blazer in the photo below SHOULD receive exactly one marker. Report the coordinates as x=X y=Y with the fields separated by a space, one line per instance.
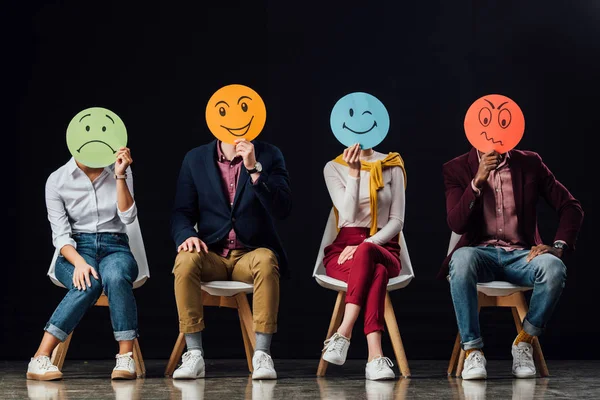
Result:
x=531 y=179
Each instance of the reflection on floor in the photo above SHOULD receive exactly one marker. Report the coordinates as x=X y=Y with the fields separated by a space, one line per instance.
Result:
x=228 y=379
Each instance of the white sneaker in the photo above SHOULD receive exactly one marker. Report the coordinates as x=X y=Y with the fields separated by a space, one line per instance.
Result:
x=41 y=368
x=262 y=363
x=125 y=368
x=523 y=365
x=192 y=366
x=336 y=349
x=379 y=368
x=474 y=367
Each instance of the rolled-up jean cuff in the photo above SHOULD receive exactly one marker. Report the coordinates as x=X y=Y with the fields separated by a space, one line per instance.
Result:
x=532 y=329
x=56 y=332
x=126 y=335
x=473 y=344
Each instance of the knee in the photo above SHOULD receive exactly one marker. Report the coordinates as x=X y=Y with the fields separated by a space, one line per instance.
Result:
x=186 y=264
x=551 y=270
x=381 y=273
x=365 y=249
x=94 y=291
x=463 y=264
x=265 y=262
x=115 y=279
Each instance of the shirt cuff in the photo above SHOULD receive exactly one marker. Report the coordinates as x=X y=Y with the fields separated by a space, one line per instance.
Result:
x=475 y=188
x=127 y=216
x=63 y=240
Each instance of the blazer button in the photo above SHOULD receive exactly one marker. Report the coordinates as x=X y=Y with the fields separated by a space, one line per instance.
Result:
x=232 y=219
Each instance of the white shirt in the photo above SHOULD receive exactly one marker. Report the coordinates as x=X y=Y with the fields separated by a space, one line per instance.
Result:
x=77 y=205
x=351 y=197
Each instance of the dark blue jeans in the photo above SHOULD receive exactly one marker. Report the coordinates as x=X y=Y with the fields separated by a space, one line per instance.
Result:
x=110 y=255
x=545 y=273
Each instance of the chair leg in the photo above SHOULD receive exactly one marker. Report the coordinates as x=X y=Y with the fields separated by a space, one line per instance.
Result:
x=454 y=357
x=140 y=367
x=175 y=355
x=60 y=352
x=394 y=331
x=246 y=316
x=519 y=313
x=245 y=321
x=334 y=324
x=461 y=363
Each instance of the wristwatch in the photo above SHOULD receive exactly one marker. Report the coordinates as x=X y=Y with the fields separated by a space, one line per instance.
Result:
x=124 y=176
x=560 y=245
x=257 y=168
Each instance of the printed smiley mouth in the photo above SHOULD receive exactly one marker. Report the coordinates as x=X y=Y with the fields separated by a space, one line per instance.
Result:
x=96 y=141
x=492 y=139
x=344 y=126
x=244 y=129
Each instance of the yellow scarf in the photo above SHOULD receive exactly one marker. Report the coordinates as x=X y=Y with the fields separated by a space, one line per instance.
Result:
x=376 y=181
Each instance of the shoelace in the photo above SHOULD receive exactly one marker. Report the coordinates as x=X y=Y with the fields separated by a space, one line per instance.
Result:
x=334 y=343
x=524 y=358
x=45 y=363
x=477 y=360
x=190 y=358
x=380 y=363
x=263 y=361
x=123 y=360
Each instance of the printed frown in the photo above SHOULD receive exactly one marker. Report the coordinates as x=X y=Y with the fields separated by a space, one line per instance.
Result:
x=95 y=135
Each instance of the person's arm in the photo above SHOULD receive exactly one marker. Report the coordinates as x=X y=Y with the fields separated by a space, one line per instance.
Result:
x=569 y=209
x=61 y=237
x=272 y=187
x=344 y=195
x=461 y=200
x=396 y=219
x=185 y=211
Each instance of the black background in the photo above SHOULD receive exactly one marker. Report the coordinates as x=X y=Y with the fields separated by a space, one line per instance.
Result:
x=156 y=66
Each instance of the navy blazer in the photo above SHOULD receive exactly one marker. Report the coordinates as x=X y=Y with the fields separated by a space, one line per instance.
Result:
x=200 y=200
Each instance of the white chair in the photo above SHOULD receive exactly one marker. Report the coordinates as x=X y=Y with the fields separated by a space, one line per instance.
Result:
x=138 y=250
x=230 y=294
x=399 y=282
x=497 y=294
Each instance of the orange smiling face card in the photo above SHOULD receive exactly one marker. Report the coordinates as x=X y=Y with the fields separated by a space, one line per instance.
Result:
x=494 y=122
x=235 y=112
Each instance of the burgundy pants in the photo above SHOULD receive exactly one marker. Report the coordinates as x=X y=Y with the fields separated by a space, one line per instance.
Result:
x=367 y=273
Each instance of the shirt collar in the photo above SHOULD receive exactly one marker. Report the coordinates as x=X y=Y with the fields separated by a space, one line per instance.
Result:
x=72 y=167
x=221 y=156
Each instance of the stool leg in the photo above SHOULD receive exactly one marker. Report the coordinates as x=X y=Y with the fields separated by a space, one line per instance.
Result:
x=334 y=324
x=394 y=331
x=175 y=355
x=60 y=352
x=455 y=353
x=140 y=367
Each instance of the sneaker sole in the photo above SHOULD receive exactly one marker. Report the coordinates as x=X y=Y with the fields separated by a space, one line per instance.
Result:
x=122 y=375
x=386 y=378
x=264 y=377
x=474 y=377
x=332 y=361
x=524 y=376
x=187 y=378
x=50 y=376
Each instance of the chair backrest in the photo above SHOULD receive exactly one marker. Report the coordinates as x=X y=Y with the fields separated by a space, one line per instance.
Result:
x=329 y=236
x=136 y=243
x=454 y=238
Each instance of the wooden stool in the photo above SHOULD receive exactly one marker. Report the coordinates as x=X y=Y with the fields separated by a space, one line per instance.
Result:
x=238 y=302
x=390 y=322
x=518 y=305
x=60 y=352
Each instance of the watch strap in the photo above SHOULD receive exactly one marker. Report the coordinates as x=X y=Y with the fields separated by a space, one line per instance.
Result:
x=117 y=176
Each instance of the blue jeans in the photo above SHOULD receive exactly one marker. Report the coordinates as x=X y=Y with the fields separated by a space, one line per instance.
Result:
x=111 y=257
x=545 y=273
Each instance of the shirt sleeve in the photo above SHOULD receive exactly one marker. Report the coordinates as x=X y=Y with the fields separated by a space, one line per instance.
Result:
x=57 y=215
x=344 y=195
x=128 y=216
x=396 y=219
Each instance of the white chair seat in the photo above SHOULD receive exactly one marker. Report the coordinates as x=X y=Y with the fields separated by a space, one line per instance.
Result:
x=335 y=284
x=500 y=288
x=226 y=288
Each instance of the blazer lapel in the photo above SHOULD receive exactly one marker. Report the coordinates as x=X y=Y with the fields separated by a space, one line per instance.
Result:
x=473 y=162
x=212 y=172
